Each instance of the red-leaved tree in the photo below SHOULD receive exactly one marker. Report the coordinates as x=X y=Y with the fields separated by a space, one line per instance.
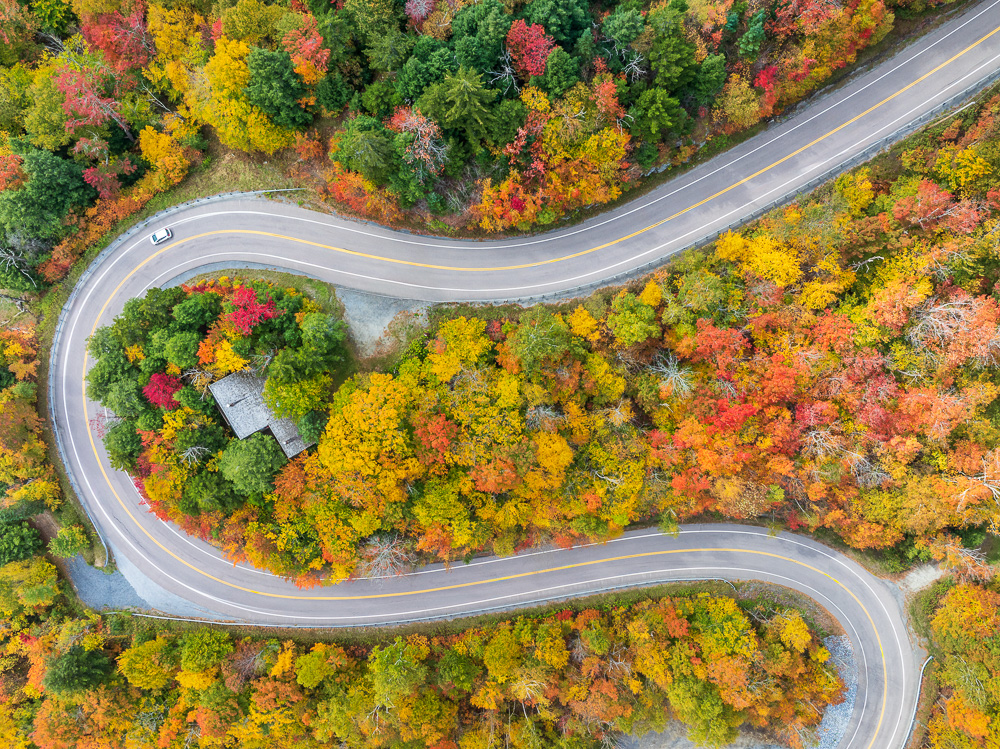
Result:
x=305 y=46
x=85 y=102
x=160 y=391
x=418 y=10
x=428 y=150
x=926 y=208
x=529 y=47
x=248 y=312
x=11 y=174
x=104 y=176
x=121 y=37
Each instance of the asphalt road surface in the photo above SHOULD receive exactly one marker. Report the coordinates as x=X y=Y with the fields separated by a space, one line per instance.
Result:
x=824 y=133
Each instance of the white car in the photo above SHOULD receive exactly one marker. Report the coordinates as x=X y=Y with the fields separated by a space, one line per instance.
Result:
x=161 y=235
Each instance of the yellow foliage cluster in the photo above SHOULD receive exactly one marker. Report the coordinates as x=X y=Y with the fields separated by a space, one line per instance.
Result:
x=857 y=190
x=738 y=104
x=226 y=108
x=460 y=343
x=584 y=325
x=178 y=43
x=227 y=360
x=961 y=168
x=535 y=99
x=162 y=150
x=762 y=255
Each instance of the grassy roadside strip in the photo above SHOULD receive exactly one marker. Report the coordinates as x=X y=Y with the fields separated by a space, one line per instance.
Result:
x=921 y=609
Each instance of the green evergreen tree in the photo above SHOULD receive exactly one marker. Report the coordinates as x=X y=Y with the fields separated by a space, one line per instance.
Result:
x=562 y=72
x=656 y=115
x=18 y=541
x=276 y=88
x=564 y=20
x=76 y=670
x=460 y=102
x=52 y=188
x=366 y=147
x=672 y=55
x=478 y=34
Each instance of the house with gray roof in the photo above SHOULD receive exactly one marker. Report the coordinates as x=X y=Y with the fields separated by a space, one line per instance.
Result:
x=240 y=398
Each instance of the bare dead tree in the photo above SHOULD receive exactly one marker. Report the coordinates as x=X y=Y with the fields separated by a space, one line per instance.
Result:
x=727 y=388
x=527 y=688
x=867 y=474
x=51 y=42
x=199 y=379
x=543 y=417
x=629 y=359
x=150 y=720
x=246 y=662
x=614 y=739
x=989 y=355
x=795 y=489
x=151 y=96
x=823 y=443
x=193 y=735
x=858 y=266
x=657 y=486
x=103 y=421
x=619 y=663
x=14 y=261
x=260 y=362
x=467 y=377
x=970 y=679
x=985 y=483
x=385 y=556
x=939 y=321
x=970 y=564
x=428 y=151
x=613 y=480
x=674 y=376
x=617 y=47
x=19 y=304
x=504 y=74
x=635 y=68
x=374 y=717
x=194 y=454
x=619 y=415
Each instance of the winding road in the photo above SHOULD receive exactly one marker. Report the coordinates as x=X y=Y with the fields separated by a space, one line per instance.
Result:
x=825 y=133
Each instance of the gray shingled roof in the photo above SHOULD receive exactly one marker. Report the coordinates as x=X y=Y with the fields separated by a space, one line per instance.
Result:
x=240 y=398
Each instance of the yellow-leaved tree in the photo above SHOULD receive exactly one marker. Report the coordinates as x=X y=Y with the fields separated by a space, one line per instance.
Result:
x=225 y=106
x=761 y=255
x=366 y=448
x=167 y=158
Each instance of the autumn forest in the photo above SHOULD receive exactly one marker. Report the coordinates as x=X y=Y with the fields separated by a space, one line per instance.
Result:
x=830 y=369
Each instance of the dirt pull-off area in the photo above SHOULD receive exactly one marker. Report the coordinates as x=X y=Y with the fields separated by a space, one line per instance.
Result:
x=919 y=578
x=379 y=325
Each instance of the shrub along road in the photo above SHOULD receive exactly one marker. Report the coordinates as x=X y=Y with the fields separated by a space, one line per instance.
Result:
x=826 y=133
